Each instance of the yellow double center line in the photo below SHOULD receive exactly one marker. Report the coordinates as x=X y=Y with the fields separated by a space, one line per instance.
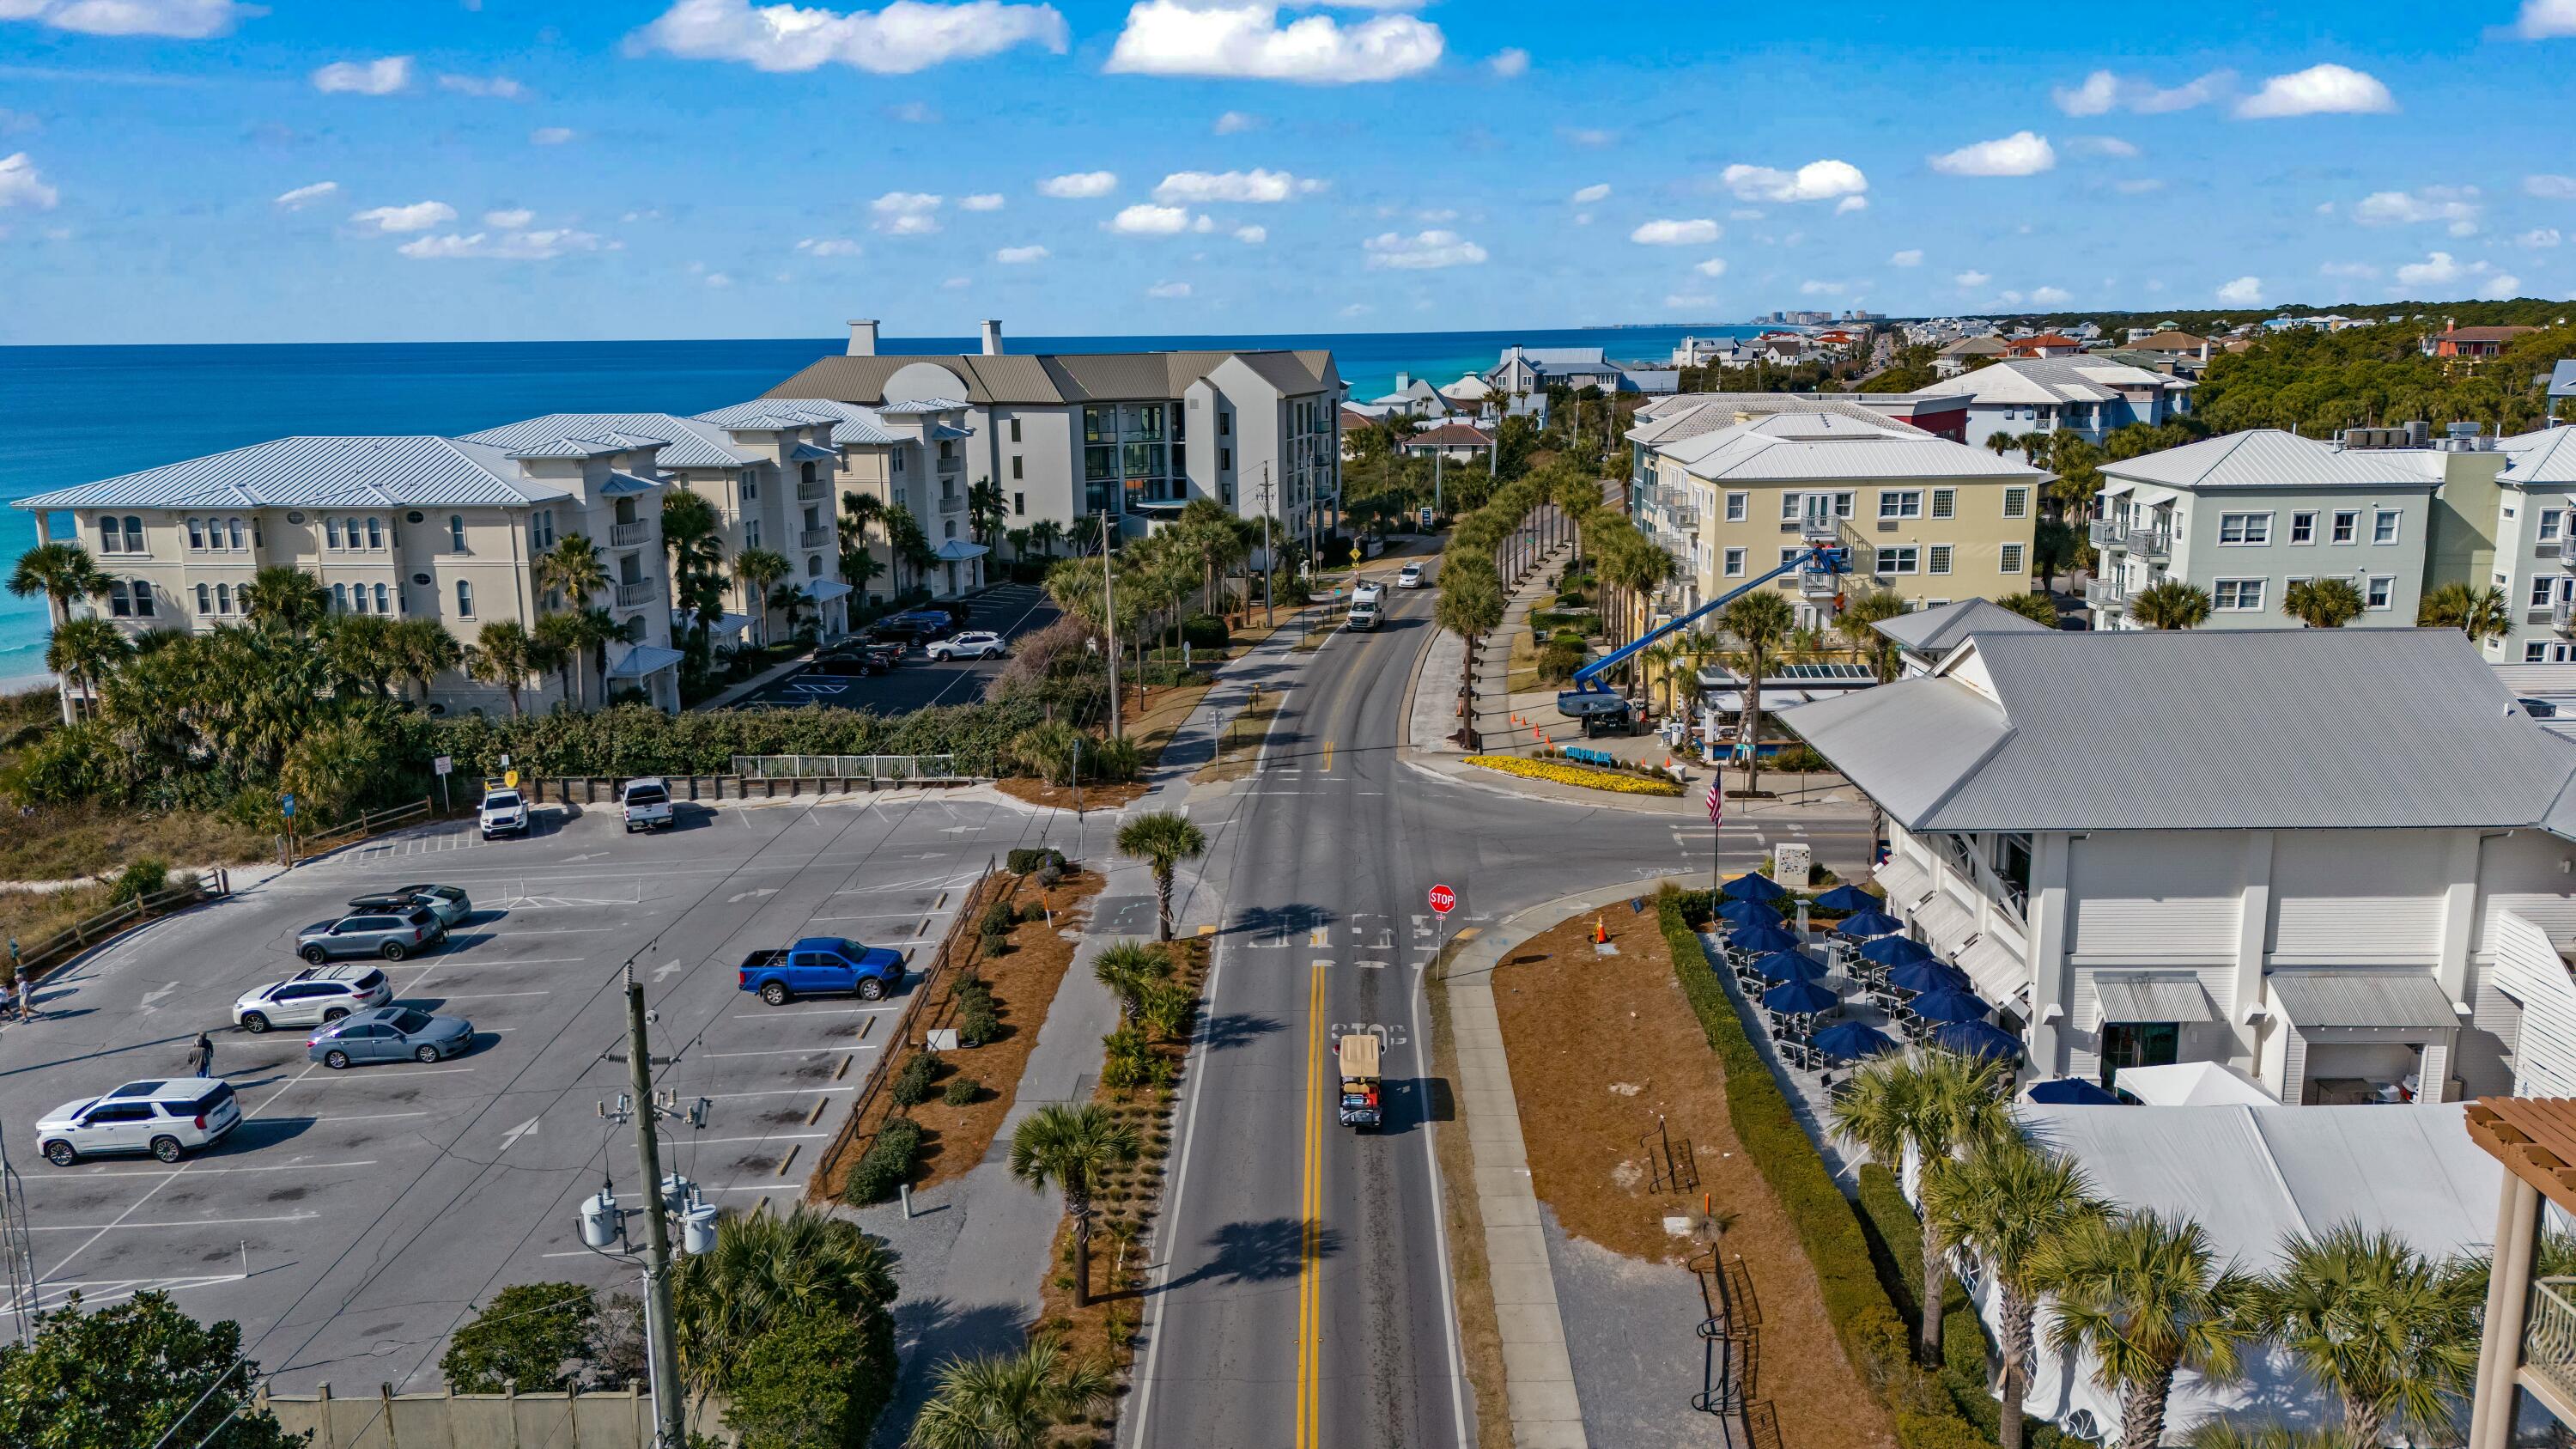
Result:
x=1310 y=1287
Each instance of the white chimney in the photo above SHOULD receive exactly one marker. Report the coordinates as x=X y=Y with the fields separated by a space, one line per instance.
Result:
x=992 y=339
x=1403 y=380
x=863 y=337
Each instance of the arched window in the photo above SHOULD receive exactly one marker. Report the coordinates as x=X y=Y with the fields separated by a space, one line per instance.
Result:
x=750 y=485
x=375 y=532
x=806 y=474
x=339 y=598
x=331 y=531
x=237 y=533
x=119 y=602
x=223 y=598
x=381 y=597
x=196 y=534
x=143 y=598
x=456 y=532
x=813 y=565
x=205 y=599
x=464 y=599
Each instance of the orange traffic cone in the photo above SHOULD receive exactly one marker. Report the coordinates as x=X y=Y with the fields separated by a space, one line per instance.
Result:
x=1600 y=932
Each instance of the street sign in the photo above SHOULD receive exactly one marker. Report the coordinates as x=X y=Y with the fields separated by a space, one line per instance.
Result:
x=442 y=764
x=286 y=803
x=510 y=778
x=1443 y=899
x=1426 y=520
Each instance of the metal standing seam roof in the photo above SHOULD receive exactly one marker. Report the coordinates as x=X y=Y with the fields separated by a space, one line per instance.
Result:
x=684 y=442
x=2272 y=458
x=2543 y=459
x=1806 y=445
x=2153 y=996
x=1703 y=413
x=2330 y=998
x=852 y=425
x=320 y=472
x=644 y=659
x=1930 y=631
x=2052 y=379
x=1058 y=378
x=2238 y=729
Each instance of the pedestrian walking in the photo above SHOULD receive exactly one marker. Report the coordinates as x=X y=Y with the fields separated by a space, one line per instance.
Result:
x=205 y=1053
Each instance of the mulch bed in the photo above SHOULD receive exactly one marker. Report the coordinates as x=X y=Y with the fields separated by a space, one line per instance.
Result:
x=1599 y=1045
x=1061 y=797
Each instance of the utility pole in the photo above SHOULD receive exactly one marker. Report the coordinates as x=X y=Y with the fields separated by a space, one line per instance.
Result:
x=1269 y=616
x=1109 y=610
x=670 y=1409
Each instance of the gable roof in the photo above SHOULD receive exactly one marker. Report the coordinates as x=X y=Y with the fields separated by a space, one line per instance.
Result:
x=2169 y=340
x=2271 y=458
x=1802 y=446
x=2547 y=457
x=2562 y=378
x=2321 y=728
x=1934 y=630
x=1687 y=415
x=685 y=442
x=320 y=472
x=1047 y=378
x=851 y=424
x=2052 y=380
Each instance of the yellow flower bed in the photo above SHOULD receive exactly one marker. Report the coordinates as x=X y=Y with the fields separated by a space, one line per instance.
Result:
x=1589 y=778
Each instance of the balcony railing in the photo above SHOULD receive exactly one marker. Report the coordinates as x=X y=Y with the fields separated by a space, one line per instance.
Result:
x=950 y=466
x=628 y=535
x=2110 y=533
x=2549 y=1333
x=2104 y=594
x=813 y=492
x=817 y=538
x=637 y=594
x=2562 y=615
x=952 y=502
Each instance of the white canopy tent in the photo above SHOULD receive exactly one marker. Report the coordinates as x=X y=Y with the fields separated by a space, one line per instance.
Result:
x=2193 y=1084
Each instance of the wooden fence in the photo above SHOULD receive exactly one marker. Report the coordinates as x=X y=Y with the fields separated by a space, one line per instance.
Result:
x=369 y=822
x=39 y=957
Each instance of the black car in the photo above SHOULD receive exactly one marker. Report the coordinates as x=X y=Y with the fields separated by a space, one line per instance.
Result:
x=846 y=666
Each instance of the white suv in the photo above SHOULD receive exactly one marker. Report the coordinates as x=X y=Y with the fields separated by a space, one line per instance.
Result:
x=973 y=644
x=323 y=994
x=504 y=812
x=167 y=1119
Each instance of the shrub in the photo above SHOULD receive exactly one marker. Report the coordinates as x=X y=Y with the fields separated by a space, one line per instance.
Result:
x=1204 y=631
x=1130 y=1061
x=1558 y=661
x=962 y=1092
x=977 y=1021
x=912 y=1084
x=1167 y=1009
x=887 y=1164
x=1113 y=762
x=1802 y=759
x=1619 y=782
x=1024 y=861
x=142 y=877
x=999 y=918
x=1048 y=751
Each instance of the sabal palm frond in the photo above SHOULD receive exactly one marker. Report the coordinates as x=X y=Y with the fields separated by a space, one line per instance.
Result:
x=1068 y=1146
x=1162 y=839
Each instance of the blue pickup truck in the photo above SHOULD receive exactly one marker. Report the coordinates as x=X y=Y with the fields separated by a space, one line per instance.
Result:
x=822 y=966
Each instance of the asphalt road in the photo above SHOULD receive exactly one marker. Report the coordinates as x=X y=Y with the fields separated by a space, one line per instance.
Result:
x=358 y=1216
x=1302 y=1294
x=1007 y=609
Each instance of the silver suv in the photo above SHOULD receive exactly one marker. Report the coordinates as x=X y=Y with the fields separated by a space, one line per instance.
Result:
x=167 y=1119
x=324 y=994
x=392 y=935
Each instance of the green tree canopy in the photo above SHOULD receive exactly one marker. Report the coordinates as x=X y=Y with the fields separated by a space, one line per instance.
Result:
x=123 y=1376
x=531 y=1337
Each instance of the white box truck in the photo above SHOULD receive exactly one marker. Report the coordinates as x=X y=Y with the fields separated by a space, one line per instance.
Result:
x=1368 y=605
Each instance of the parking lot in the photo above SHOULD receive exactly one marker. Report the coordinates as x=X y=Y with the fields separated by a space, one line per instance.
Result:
x=355 y=1217
x=1009 y=610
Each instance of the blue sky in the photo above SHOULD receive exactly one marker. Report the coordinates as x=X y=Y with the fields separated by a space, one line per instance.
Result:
x=211 y=170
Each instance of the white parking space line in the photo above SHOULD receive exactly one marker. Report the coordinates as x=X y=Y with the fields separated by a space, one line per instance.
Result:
x=831 y=1011
x=490 y=995
x=782 y=1092
x=794 y=1051
x=411 y=1072
x=174 y=1172
x=199 y=1223
x=729 y=1141
x=321 y=1121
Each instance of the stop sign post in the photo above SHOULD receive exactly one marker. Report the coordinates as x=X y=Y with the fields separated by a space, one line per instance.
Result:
x=1443 y=899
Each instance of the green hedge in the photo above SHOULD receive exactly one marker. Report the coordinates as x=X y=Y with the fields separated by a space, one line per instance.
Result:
x=886 y=1165
x=1866 y=1319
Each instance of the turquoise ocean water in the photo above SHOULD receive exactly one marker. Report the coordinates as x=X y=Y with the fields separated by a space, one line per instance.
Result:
x=74 y=414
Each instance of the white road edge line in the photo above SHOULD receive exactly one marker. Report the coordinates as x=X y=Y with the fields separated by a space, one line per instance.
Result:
x=1170 y=1224
x=1440 y=1234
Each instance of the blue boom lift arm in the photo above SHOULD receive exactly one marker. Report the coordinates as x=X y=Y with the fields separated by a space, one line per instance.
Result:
x=1819 y=571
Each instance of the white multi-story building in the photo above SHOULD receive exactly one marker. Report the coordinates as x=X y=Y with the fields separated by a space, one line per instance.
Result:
x=2534 y=563
x=1072 y=436
x=2336 y=860
x=2088 y=396
x=401 y=527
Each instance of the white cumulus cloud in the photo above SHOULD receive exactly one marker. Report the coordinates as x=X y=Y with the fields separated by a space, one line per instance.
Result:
x=550 y=135
x=1821 y=289
x=1187 y=187
x=2243 y=292
x=2111 y=146
x=1021 y=256
x=2546 y=19
x=1147 y=219
x=904 y=37
x=1972 y=279
x=2319 y=90
x=1077 y=185
x=828 y=246
x=419 y=216
x=981 y=201
x=534 y=246
x=1252 y=236
x=1168 y=290
x=2023 y=153
x=491 y=87
x=2550 y=188
x=1423 y=251
x=1233 y=122
x=510 y=220
x=2051 y=296
x=21 y=184
x=1910 y=257
x=906 y=213
x=1850 y=204
x=2456 y=205
x=2104 y=91
x=1510 y=62
x=304 y=196
x=2437 y=269
x=364 y=77
x=2500 y=286
x=1694 y=232
x=1713 y=267
x=1244 y=39
x=1590 y=194
x=1815 y=181
x=177 y=19
x=2546 y=236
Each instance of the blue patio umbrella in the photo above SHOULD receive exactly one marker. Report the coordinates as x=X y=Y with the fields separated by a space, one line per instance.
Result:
x=1803 y=998
x=1761 y=940
x=1755 y=888
x=1977 y=1039
x=2070 y=1091
x=1747 y=913
x=1868 y=923
x=1927 y=975
x=1847 y=898
x=1788 y=966
x=1950 y=1003
x=1894 y=950
x=1850 y=1041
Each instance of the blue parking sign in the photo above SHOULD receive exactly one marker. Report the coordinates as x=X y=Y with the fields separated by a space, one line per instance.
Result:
x=287 y=804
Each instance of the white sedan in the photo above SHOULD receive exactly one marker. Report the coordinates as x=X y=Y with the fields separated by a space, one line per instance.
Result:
x=973 y=644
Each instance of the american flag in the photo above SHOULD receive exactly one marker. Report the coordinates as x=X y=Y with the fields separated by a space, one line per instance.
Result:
x=1716 y=802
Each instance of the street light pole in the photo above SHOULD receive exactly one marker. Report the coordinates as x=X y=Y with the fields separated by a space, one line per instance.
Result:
x=1269 y=614
x=1109 y=610
x=670 y=1409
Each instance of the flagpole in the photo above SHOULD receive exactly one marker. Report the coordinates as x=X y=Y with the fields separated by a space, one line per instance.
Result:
x=1716 y=831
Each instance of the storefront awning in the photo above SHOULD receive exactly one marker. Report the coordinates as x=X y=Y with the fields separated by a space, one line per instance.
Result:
x=2167 y=996
x=2361 y=999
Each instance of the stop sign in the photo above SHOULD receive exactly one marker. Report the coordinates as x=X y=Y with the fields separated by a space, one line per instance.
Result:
x=1443 y=899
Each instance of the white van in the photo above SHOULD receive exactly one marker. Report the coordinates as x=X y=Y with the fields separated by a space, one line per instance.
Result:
x=1367 y=606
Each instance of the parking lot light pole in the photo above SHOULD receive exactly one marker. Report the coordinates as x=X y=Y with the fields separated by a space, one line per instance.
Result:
x=670 y=1410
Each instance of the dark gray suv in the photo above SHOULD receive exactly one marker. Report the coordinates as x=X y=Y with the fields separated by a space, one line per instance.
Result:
x=392 y=935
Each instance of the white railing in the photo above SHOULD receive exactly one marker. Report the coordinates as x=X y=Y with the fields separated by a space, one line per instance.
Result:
x=883 y=768
x=2549 y=1333
x=817 y=538
x=637 y=594
x=2562 y=615
x=2105 y=594
x=628 y=535
x=813 y=492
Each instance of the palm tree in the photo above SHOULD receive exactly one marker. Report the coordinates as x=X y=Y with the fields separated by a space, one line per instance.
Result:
x=759 y=569
x=554 y=632
x=1858 y=624
x=84 y=652
x=1127 y=968
x=505 y=653
x=1939 y=1105
x=1069 y=1146
x=909 y=544
x=1008 y=1401
x=1663 y=661
x=770 y=1269
x=2000 y=443
x=2327 y=603
x=2037 y=608
x=360 y=647
x=693 y=534
x=2172 y=604
x=985 y=509
x=2053 y=549
x=2392 y=1333
x=286 y=599
x=1044 y=533
x=1162 y=839
x=1761 y=622
x=2144 y=1296
x=2479 y=613
x=61 y=572
x=2000 y=1205
x=422 y=650
x=572 y=568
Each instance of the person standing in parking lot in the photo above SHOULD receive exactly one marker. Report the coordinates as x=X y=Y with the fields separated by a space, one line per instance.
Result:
x=204 y=1051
